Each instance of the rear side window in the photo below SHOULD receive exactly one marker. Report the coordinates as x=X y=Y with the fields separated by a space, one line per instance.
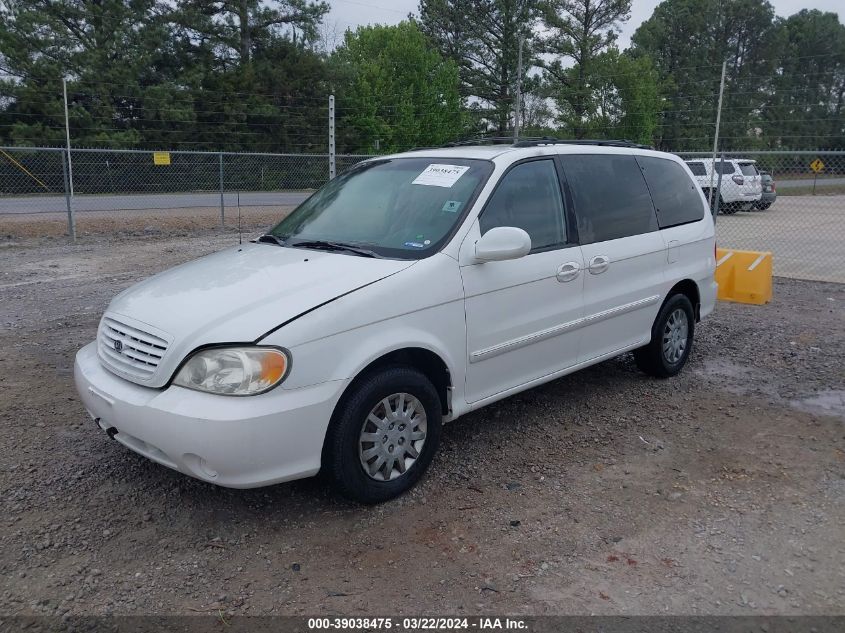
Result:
x=675 y=195
x=748 y=169
x=528 y=197
x=725 y=167
x=697 y=169
x=611 y=198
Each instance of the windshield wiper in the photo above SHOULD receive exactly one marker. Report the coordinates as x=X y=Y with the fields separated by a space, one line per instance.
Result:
x=323 y=245
x=269 y=238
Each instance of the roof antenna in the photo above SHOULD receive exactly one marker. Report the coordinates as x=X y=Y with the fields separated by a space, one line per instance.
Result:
x=240 y=235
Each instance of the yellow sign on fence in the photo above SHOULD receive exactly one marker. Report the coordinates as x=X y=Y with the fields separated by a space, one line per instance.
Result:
x=161 y=158
x=817 y=165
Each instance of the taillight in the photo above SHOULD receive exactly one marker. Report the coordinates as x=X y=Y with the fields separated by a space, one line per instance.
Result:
x=738 y=180
x=773 y=186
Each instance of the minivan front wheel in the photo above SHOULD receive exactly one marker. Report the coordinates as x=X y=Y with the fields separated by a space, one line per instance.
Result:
x=671 y=339
x=383 y=435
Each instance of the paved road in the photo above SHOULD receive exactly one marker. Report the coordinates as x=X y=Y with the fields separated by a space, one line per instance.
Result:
x=56 y=204
x=805 y=235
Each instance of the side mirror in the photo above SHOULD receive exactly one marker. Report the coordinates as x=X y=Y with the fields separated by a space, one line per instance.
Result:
x=501 y=243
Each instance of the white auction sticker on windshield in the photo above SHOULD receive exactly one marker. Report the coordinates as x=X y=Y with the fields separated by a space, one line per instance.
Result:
x=436 y=175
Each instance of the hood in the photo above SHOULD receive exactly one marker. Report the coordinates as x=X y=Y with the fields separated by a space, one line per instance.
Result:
x=239 y=294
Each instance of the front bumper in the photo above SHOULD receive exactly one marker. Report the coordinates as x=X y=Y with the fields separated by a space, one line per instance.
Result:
x=236 y=442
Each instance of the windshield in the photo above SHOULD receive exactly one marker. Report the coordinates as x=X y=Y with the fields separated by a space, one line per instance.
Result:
x=397 y=207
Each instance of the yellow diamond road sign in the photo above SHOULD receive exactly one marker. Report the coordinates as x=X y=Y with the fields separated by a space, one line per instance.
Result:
x=161 y=158
x=817 y=165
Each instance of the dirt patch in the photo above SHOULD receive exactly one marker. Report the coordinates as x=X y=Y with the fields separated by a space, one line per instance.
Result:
x=718 y=492
x=138 y=223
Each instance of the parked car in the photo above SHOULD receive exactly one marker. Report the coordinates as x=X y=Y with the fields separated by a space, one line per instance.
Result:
x=403 y=294
x=740 y=188
x=769 y=192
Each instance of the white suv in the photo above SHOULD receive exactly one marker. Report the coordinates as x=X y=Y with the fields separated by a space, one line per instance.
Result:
x=741 y=185
x=405 y=293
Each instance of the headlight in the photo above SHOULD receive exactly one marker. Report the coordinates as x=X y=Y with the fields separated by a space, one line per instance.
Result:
x=234 y=371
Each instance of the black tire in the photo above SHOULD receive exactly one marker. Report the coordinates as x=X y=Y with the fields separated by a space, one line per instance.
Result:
x=728 y=208
x=762 y=206
x=651 y=358
x=714 y=201
x=342 y=452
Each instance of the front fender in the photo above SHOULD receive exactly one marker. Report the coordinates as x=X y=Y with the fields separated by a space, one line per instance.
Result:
x=421 y=307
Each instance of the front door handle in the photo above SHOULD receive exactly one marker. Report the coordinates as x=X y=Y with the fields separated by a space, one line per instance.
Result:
x=568 y=271
x=599 y=264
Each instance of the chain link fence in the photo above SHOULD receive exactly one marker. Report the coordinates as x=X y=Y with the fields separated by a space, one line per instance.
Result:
x=141 y=192
x=789 y=203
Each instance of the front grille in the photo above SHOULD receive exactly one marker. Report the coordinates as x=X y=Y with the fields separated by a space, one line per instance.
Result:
x=139 y=352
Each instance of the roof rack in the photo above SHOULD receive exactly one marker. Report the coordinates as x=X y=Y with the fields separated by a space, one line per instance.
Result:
x=548 y=140
x=483 y=140
x=544 y=140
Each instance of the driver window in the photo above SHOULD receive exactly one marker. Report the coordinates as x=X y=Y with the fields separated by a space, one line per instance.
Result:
x=528 y=197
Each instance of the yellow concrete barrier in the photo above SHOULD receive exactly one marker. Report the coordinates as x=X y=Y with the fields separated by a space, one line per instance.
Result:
x=744 y=276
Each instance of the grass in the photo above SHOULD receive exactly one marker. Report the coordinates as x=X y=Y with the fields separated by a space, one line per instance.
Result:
x=821 y=190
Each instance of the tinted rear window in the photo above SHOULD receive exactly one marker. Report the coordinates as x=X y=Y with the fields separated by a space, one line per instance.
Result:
x=610 y=196
x=697 y=169
x=725 y=167
x=676 y=197
x=748 y=169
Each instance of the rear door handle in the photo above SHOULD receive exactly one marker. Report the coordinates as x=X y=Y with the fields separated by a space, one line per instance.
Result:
x=599 y=264
x=568 y=271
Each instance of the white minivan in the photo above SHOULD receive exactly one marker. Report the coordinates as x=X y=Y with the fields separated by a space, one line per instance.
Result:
x=407 y=292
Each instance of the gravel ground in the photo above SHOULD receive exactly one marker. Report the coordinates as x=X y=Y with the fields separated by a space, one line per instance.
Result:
x=721 y=491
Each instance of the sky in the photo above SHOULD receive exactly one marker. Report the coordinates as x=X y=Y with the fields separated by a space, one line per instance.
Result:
x=352 y=13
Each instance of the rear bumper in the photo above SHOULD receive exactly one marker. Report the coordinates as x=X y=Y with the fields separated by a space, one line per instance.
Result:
x=232 y=442
x=707 y=289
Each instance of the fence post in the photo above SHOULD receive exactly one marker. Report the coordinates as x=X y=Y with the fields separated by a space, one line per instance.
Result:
x=716 y=135
x=332 y=164
x=718 y=186
x=222 y=208
x=71 y=224
x=67 y=168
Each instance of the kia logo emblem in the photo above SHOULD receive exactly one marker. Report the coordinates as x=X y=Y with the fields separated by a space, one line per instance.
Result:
x=118 y=346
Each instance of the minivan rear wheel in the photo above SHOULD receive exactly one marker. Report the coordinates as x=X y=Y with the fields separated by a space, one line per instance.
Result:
x=383 y=435
x=671 y=339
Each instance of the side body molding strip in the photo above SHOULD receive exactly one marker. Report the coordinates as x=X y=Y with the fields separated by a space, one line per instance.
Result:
x=542 y=335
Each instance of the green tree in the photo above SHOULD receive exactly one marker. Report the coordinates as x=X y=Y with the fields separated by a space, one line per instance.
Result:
x=624 y=98
x=688 y=40
x=577 y=32
x=399 y=92
x=804 y=108
x=482 y=38
x=107 y=48
x=148 y=74
x=234 y=27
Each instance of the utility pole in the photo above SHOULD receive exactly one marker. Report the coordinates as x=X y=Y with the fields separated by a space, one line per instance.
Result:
x=71 y=220
x=716 y=135
x=518 y=91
